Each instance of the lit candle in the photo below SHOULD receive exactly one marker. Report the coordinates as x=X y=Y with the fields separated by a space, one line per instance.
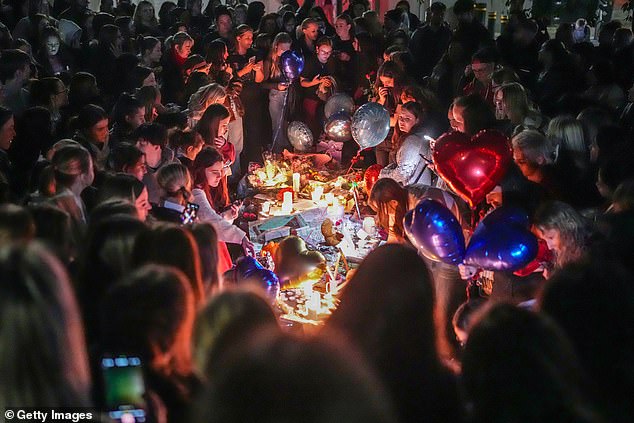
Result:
x=330 y=198
x=287 y=204
x=266 y=207
x=369 y=225
x=296 y=182
x=318 y=191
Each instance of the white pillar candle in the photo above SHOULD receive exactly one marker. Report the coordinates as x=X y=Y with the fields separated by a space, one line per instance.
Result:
x=266 y=207
x=369 y=225
x=287 y=204
x=296 y=182
x=318 y=191
x=330 y=198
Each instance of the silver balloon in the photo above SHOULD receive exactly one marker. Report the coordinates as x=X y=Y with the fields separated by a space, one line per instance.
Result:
x=337 y=103
x=300 y=136
x=370 y=125
x=337 y=127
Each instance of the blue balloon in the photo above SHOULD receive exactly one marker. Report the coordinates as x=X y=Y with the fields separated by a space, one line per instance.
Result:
x=245 y=265
x=292 y=64
x=267 y=280
x=502 y=241
x=435 y=231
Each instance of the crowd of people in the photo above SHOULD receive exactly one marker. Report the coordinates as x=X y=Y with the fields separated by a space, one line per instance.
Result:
x=123 y=136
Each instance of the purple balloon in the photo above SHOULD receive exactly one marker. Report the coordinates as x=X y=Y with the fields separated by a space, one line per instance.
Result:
x=502 y=241
x=292 y=64
x=246 y=264
x=267 y=280
x=435 y=231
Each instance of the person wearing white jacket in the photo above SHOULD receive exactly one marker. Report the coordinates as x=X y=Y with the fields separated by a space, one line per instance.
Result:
x=413 y=149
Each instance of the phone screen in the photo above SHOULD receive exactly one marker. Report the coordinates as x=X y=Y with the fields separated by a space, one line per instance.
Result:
x=125 y=388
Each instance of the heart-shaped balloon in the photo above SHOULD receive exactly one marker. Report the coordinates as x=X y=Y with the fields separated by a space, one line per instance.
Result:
x=435 y=231
x=502 y=241
x=472 y=166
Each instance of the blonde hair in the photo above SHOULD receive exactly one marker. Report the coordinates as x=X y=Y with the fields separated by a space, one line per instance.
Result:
x=175 y=181
x=515 y=101
x=203 y=98
x=567 y=133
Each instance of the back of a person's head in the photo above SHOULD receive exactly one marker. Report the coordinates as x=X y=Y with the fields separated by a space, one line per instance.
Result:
x=519 y=366
x=594 y=303
x=135 y=318
x=113 y=207
x=393 y=282
x=228 y=318
x=12 y=61
x=69 y=163
x=122 y=186
x=126 y=105
x=43 y=350
x=476 y=112
x=150 y=248
x=153 y=133
x=16 y=224
x=52 y=228
x=207 y=240
x=327 y=374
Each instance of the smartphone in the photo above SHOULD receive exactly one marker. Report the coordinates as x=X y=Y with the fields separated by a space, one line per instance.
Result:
x=189 y=214
x=252 y=59
x=124 y=388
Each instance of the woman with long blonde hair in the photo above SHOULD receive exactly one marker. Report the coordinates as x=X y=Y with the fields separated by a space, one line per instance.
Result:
x=199 y=101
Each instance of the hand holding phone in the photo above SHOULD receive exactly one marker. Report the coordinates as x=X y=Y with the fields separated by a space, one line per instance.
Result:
x=124 y=388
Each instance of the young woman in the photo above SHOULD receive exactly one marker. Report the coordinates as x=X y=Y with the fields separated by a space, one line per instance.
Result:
x=512 y=103
x=54 y=58
x=50 y=93
x=212 y=128
x=202 y=99
x=173 y=63
x=187 y=145
x=145 y=22
x=208 y=173
x=129 y=159
x=128 y=114
x=91 y=131
x=217 y=55
x=126 y=187
x=413 y=151
x=276 y=83
x=151 y=52
x=564 y=230
x=388 y=86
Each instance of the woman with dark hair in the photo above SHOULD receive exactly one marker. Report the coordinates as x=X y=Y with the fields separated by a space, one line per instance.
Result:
x=104 y=260
x=276 y=83
x=268 y=25
x=411 y=143
x=209 y=251
x=140 y=76
x=317 y=13
x=519 y=366
x=129 y=159
x=388 y=86
x=145 y=22
x=212 y=128
x=208 y=173
x=53 y=56
x=229 y=317
x=398 y=337
x=128 y=114
x=46 y=351
x=91 y=131
x=150 y=248
x=472 y=114
x=150 y=98
x=52 y=94
x=173 y=72
x=186 y=144
x=150 y=52
x=126 y=187
x=134 y=323
x=217 y=55
x=82 y=90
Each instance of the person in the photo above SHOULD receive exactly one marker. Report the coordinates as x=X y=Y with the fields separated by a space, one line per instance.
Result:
x=202 y=99
x=406 y=351
x=140 y=76
x=277 y=84
x=413 y=151
x=211 y=265
x=464 y=318
x=502 y=338
x=446 y=78
x=173 y=61
x=208 y=171
x=145 y=22
x=470 y=32
x=174 y=182
x=16 y=225
x=390 y=202
x=431 y=41
x=104 y=57
x=186 y=145
x=348 y=389
x=133 y=323
x=150 y=52
x=227 y=318
x=319 y=83
x=604 y=88
x=483 y=64
x=212 y=128
x=471 y=114
x=247 y=66
x=309 y=35
x=533 y=154
x=48 y=353
x=127 y=115
x=126 y=187
x=512 y=103
x=53 y=56
x=151 y=139
x=74 y=172
x=91 y=132
x=388 y=85
x=565 y=232
x=52 y=94
x=15 y=71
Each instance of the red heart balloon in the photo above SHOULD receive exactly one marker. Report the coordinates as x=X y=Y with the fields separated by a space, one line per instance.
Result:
x=370 y=176
x=472 y=166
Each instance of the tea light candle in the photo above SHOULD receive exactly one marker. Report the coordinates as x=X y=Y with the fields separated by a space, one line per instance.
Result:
x=318 y=191
x=296 y=182
x=266 y=207
x=287 y=204
x=330 y=198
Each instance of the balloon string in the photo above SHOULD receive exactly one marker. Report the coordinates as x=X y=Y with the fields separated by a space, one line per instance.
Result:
x=354 y=160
